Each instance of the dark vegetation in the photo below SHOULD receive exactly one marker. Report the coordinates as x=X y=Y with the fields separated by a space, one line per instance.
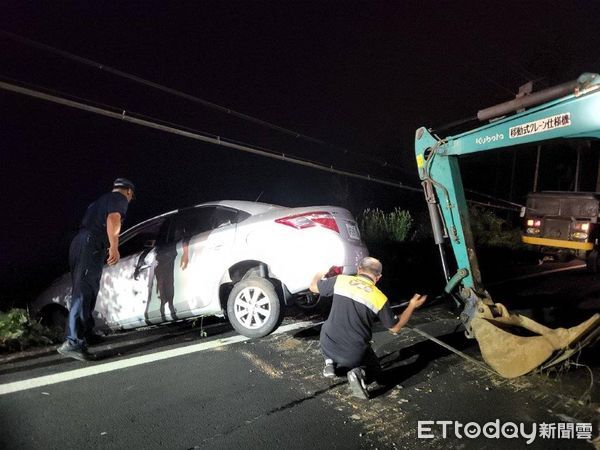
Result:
x=411 y=260
x=18 y=331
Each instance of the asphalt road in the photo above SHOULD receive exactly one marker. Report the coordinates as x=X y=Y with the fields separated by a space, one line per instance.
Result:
x=171 y=387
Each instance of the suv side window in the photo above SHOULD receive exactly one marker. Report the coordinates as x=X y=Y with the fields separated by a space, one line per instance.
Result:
x=225 y=216
x=190 y=222
x=241 y=216
x=149 y=235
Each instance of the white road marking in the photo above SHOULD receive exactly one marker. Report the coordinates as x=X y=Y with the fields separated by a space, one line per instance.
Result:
x=46 y=380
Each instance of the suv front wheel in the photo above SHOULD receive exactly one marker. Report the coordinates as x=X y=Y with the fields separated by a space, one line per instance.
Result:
x=253 y=307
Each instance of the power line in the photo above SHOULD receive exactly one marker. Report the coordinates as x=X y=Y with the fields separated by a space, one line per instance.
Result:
x=193 y=134
x=170 y=127
x=180 y=130
x=489 y=205
x=516 y=206
x=181 y=94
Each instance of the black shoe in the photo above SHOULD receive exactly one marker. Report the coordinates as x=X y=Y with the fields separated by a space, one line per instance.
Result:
x=94 y=339
x=329 y=369
x=75 y=352
x=356 y=381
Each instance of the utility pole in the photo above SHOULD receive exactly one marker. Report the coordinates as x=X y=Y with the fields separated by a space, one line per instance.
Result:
x=577 y=168
x=512 y=175
x=598 y=174
x=537 y=168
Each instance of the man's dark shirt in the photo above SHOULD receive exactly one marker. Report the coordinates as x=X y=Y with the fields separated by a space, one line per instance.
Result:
x=94 y=220
x=356 y=303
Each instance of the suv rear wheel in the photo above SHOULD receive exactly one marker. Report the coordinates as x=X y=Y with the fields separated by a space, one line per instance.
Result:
x=253 y=307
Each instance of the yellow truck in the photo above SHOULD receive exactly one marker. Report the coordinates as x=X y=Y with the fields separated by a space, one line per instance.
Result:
x=564 y=223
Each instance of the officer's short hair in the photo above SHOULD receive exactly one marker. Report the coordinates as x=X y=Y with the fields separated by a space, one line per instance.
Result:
x=371 y=265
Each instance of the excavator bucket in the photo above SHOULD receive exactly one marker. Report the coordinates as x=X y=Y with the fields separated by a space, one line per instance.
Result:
x=514 y=345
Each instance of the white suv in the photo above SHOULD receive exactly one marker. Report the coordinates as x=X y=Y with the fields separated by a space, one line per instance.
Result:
x=241 y=259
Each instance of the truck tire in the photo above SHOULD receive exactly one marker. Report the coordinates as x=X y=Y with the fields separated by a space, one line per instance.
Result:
x=253 y=307
x=563 y=256
x=591 y=261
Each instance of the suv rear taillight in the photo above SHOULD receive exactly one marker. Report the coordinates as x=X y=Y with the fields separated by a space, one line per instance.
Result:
x=334 y=271
x=310 y=219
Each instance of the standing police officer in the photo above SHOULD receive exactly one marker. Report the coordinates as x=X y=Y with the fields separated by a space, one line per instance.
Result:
x=99 y=231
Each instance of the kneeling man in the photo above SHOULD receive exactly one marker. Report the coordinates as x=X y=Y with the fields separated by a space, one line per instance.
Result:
x=347 y=332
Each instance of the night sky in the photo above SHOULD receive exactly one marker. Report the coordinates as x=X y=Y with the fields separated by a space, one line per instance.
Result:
x=359 y=75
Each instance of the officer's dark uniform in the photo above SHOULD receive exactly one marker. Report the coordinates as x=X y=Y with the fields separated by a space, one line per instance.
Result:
x=86 y=259
x=346 y=334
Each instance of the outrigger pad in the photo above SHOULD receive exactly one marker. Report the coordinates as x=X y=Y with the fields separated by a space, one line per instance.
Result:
x=513 y=355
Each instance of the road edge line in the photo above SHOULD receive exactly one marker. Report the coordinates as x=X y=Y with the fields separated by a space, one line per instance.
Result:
x=32 y=383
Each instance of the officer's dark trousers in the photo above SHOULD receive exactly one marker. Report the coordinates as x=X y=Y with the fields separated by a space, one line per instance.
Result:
x=86 y=258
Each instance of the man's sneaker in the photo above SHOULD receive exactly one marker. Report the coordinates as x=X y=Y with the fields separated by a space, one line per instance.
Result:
x=356 y=381
x=329 y=369
x=75 y=352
